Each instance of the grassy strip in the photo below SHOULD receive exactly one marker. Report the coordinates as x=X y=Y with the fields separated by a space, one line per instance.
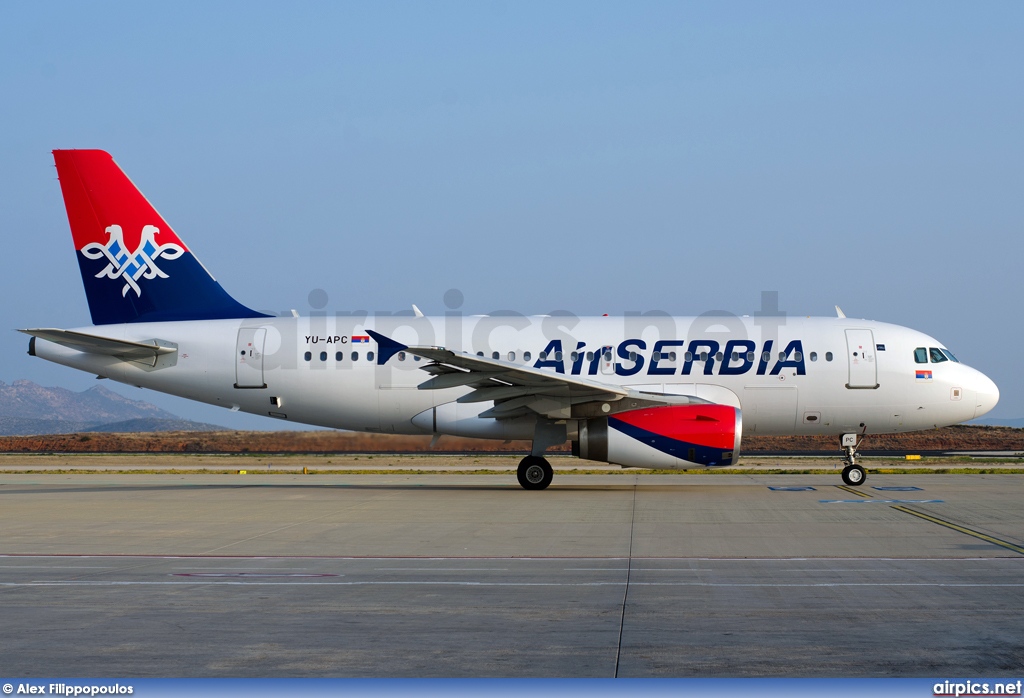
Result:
x=558 y=471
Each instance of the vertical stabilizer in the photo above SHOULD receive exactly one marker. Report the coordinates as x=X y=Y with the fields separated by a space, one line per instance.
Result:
x=134 y=266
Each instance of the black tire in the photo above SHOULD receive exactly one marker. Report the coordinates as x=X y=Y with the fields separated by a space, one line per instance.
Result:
x=854 y=475
x=534 y=473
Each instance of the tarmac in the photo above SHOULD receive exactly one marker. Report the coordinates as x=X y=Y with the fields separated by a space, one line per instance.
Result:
x=455 y=574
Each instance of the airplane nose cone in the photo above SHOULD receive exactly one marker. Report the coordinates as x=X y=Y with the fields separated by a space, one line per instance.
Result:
x=988 y=395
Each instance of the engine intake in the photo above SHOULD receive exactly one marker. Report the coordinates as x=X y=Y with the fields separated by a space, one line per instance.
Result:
x=673 y=436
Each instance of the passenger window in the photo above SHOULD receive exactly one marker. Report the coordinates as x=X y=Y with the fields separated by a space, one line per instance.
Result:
x=688 y=356
x=495 y=355
x=632 y=356
x=526 y=356
x=355 y=356
x=766 y=357
x=814 y=356
x=920 y=355
x=543 y=356
x=558 y=356
x=590 y=356
x=511 y=356
x=607 y=356
x=323 y=356
x=828 y=356
x=719 y=356
x=797 y=356
x=479 y=353
x=307 y=357
x=671 y=356
x=751 y=356
x=656 y=356
x=574 y=356
x=369 y=356
x=338 y=356
x=703 y=356
x=401 y=356
x=937 y=356
x=735 y=356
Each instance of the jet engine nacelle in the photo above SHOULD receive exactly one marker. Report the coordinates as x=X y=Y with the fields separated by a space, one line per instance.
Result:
x=674 y=436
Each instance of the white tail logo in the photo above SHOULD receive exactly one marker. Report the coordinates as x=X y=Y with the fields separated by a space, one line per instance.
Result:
x=132 y=266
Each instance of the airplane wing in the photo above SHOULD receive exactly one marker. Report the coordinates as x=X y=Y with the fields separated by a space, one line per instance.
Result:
x=519 y=389
x=93 y=344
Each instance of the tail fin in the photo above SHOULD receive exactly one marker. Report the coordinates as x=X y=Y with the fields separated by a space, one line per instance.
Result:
x=134 y=267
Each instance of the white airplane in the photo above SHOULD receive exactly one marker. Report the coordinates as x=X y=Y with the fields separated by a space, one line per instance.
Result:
x=646 y=392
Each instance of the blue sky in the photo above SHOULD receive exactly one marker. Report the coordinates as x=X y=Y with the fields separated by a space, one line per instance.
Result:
x=586 y=156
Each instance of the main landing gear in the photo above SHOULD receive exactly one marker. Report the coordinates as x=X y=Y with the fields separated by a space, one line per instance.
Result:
x=853 y=474
x=535 y=473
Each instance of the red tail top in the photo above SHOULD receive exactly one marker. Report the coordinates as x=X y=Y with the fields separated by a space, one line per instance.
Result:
x=98 y=194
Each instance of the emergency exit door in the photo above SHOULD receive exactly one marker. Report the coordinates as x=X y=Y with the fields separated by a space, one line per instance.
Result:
x=249 y=357
x=860 y=352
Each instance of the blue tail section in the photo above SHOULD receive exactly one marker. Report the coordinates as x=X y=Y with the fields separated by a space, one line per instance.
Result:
x=134 y=267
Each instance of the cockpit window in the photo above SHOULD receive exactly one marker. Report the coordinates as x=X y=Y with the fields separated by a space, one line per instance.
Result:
x=936 y=355
x=920 y=355
x=950 y=356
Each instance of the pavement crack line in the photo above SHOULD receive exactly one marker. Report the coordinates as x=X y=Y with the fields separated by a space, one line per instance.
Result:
x=948 y=524
x=629 y=569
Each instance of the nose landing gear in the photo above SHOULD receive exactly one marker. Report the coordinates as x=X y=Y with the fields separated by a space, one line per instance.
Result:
x=853 y=474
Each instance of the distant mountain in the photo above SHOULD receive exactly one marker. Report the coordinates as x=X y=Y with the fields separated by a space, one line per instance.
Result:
x=1015 y=423
x=148 y=424
x=29 y=408
x=27 y=426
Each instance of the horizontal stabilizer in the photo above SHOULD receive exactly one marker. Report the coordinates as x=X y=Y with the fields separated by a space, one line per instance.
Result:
x=92 y=344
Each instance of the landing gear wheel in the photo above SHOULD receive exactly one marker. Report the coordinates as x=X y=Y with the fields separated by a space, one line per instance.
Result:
x=534 y=473
x=854 y=475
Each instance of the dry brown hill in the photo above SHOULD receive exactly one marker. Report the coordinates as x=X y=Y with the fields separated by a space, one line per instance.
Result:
x=957 y=438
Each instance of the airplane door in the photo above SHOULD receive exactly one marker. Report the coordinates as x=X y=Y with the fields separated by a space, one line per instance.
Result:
x=249 y=357
x=860 y=352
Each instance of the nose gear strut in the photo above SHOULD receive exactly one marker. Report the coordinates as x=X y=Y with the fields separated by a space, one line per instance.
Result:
x=853 y=474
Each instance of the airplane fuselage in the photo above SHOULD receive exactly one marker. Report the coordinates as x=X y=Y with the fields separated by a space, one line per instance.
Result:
x=811 y=376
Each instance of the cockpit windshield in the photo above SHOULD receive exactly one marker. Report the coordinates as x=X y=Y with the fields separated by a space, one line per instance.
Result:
x=935 y=354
